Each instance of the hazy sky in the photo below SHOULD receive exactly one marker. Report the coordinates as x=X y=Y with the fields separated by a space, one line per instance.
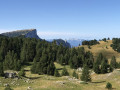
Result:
x=83 y=19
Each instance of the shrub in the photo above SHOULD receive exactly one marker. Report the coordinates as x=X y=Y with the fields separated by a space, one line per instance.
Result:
x=56 y=74
x=8 y=88
x=75 y=74
x=21 y=73
x=109 y=86
x=65 y=72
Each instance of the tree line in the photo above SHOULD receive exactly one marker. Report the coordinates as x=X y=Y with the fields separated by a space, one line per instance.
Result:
x=91 y=42
x=116 y=44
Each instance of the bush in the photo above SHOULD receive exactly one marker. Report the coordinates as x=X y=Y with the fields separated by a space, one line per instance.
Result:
x=75 y=74
x=65 y=72
x=109 y=86
x=56 y=74
x=89 y=47
x=21 y=73
x=8 y=88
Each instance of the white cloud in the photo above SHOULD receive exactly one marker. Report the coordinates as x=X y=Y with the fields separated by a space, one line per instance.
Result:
x=79 y=35
x=63 y=35
x=68 y=35
x=5 y=30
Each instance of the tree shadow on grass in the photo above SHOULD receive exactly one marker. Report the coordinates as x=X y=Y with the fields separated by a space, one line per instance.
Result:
x=59 y=68
x=113 y=89
x=99 y=82
x=26 y=70
x=32 y=78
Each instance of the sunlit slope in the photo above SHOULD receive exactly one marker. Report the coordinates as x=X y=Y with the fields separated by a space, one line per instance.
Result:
x=45 y=82
x=104 y=48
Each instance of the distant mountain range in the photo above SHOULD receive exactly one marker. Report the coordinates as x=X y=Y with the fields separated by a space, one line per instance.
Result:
x=60 y=41
x=31 y=33
x=75 y=42
x=72 y=42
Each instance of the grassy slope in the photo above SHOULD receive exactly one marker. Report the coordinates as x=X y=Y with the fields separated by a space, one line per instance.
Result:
x=101 y=48
x=45 y=82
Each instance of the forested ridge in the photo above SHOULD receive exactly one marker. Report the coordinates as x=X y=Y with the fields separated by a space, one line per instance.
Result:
x=116 y=44
x=17 y=52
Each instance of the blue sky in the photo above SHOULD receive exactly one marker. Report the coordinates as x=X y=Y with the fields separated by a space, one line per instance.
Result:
x=82 y=19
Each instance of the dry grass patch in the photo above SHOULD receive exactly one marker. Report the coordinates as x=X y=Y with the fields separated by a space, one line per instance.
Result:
x=101 y=48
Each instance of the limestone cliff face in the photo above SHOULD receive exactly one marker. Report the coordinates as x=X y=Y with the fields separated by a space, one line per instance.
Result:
x=64 y=43
x=32 y=34
x=28 y=33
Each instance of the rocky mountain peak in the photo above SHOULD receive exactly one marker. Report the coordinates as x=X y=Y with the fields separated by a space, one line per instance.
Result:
x=29 y=33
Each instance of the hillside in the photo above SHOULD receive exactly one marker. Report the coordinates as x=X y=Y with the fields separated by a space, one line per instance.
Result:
x=45 y=82
x=31 y=33
x=101 y=48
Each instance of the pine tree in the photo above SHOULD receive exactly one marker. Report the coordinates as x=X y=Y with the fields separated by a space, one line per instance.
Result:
x=65 y=72
x=96 y=68
x=44 y=63
x=75 y=74
x=61 y=60
x=89 y=60
x=56 y=74
x=110 y=68
x=21 y=73
x=104 y=67
x=38 y=68
x=23 y=54
x=71 y=63
x=31 y=50
x=99 y=58
x=1 y=69
x=86 y=74
x=51 y=69
x=9 y=60
x=33 y=68
x=113 y=62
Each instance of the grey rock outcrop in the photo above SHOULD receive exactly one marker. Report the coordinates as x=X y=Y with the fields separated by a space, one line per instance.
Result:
x=64 y=43
x=32 y=34
x=28 y=33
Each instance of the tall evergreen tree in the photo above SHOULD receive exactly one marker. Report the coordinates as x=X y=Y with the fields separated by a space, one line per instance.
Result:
x=1 y=69
x=75 y=74
x=104 y=67
x=96 y=68
x=23 y=54
x=86 y=74
x=34 y=67
x=21 y=73
x=113 y=62
x=100 y=58
x=51 y=69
